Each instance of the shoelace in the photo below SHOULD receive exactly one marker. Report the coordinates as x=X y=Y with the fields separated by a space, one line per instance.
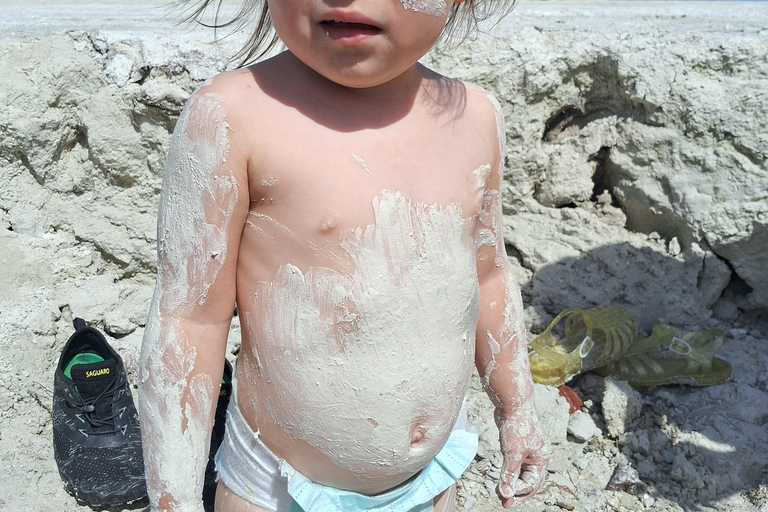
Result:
x=88 y=409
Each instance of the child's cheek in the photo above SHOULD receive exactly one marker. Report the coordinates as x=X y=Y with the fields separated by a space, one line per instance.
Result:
x=431 y=7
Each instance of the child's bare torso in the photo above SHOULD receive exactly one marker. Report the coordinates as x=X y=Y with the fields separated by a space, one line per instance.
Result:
x=356 y=276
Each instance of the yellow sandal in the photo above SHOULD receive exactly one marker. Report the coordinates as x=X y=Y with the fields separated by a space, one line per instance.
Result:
x=592 y=338
x=672 y=356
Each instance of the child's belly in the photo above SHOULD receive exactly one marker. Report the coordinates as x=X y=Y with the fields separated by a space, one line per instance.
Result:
x=358 y=378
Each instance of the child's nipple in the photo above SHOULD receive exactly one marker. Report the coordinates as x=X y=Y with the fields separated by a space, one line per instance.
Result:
x=327 y=224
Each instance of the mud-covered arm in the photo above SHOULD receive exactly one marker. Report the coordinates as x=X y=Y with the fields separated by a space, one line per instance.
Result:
x=501 y=354
x=203 y=205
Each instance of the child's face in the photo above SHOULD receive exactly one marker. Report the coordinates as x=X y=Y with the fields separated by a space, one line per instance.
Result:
x=380 y=40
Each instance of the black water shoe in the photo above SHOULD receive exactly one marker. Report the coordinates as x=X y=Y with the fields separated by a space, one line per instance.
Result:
x=96 y=437
x=217 y=436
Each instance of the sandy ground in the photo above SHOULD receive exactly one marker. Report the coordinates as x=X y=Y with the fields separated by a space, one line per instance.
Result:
x=702 y=449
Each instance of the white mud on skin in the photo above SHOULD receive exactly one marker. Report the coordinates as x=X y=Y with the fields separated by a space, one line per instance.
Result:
x=361 y=163
x=506 y=377
x=196 y=204
x=68 y=250
x=484 y=236
x=431 y=7
x=408 y=310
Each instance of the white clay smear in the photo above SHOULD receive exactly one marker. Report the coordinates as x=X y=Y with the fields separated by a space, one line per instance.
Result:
x=364 y=359
x=197 y=200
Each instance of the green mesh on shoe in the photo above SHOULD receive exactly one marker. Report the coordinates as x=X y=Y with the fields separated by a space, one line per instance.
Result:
x=81 y=358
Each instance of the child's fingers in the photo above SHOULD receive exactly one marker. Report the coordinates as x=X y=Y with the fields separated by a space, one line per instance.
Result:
x=508 y=502
x=523 y=487
x=525 y=458
x=524 y=477
x=530 y=481
x=531 y=478
x=514 y=480
x=510 y=474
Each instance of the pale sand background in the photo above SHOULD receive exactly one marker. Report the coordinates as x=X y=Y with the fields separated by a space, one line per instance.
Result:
x=664 y=104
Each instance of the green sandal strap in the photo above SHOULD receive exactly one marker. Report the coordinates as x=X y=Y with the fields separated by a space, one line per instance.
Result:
x=672 y=356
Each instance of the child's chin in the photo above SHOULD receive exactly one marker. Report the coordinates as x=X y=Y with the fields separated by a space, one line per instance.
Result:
x=359 y=76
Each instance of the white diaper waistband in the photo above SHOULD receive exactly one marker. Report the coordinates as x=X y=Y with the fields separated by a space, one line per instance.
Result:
x=247 y=467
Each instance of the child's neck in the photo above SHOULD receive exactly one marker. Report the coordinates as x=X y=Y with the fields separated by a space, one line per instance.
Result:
x=294 y=83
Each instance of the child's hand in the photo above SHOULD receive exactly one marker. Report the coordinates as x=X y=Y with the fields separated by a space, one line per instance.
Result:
x=525 y=455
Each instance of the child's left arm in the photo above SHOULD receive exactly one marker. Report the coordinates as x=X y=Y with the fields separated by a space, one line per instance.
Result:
x=501 y=354
x=501 y=357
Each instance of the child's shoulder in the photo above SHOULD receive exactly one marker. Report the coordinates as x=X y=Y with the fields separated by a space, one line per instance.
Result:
x=232 y=99
x=233 y=90
x=482 y=102
x=483 y=112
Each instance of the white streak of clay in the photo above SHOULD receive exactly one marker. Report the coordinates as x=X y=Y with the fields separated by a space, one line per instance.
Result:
x=490 y=203
x=495 y=348
x=323 y=331
x=493 y=344
x=431 y=7
x=501 y=253
x=484 y=237
x=489 y=208
x=481 y=175
x=254 y=350
x=514 y=340
x=361 y=163
x=269 y=220
x=196 y=204
x=269 y=181
x=259 y=230
x=514 y=326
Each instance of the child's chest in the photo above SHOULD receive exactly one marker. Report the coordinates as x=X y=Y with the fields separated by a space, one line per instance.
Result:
x=321 y=182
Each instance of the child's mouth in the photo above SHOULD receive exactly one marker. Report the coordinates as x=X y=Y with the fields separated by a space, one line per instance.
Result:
x=349 y=32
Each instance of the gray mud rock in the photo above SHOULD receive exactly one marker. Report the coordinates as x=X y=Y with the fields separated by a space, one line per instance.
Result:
x=635 y=151
x=582 y=427
x=635 y=175
x=621 y=406
x=552 y=410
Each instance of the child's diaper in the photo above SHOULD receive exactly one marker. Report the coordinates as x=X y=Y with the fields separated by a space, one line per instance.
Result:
x=414 y=495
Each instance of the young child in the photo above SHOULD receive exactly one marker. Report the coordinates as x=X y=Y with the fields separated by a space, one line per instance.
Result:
x=347 y=199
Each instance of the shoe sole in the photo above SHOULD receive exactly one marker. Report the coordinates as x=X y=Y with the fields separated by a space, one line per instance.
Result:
x=99 y=502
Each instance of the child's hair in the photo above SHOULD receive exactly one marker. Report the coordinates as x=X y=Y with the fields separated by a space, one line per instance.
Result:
x=462 y=22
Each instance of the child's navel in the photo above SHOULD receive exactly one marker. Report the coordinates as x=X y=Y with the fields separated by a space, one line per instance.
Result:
x=417 y=435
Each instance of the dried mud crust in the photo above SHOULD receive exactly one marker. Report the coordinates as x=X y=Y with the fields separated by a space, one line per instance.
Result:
x=693 y=448
x=690 y=448
x=85 y=122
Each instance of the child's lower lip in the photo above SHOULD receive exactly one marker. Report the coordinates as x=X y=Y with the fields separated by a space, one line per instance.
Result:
x=349 y=33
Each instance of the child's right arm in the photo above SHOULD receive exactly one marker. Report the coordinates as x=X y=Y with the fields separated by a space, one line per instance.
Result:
x=203 y=206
